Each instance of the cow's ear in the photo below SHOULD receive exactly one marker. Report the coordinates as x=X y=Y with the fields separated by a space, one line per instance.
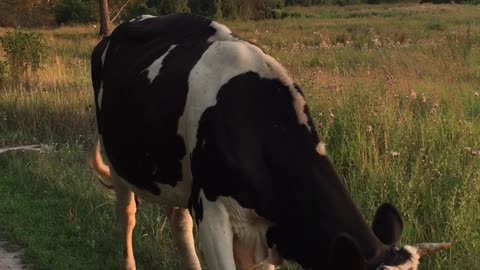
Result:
x=345 y=254
x=388 y=224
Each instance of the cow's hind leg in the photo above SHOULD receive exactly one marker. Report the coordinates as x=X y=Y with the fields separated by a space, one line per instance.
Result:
x=216 y=235
x=126 y=209
x=182 y=232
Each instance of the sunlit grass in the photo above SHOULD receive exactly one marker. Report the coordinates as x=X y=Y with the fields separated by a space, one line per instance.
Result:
x=394 y=92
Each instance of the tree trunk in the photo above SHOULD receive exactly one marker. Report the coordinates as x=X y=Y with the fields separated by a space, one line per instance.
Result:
x=104 y=18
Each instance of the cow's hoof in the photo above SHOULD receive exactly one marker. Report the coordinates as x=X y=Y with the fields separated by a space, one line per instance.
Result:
x=130 y=266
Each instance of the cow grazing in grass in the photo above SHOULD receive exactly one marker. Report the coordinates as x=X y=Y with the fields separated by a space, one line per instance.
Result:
x=192 y=117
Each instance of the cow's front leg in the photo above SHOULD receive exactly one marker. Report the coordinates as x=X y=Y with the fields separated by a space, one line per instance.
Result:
x=216 y=234
x=126 y=209
x=182 y=233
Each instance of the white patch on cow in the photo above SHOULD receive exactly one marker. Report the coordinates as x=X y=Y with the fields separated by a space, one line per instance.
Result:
x=142 y=18
x=411 y=264
x=242 y=231
x=216 y=235
x=321 y=149
x=222 y=61
x=104 y=54
x=222 y=33
x=249 y=228
x=154 y=69
x=100 y=96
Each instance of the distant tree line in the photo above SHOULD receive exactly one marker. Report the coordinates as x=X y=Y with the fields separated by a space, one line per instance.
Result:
x=29 y=13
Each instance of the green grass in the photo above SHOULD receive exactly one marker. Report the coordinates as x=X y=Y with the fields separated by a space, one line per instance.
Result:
x=394 y=92
x=52 y=207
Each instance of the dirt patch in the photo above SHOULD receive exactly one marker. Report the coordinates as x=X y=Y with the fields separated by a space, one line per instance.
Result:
x=10 y=260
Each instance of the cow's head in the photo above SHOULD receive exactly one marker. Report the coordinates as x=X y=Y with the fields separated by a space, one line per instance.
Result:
x=387 y=226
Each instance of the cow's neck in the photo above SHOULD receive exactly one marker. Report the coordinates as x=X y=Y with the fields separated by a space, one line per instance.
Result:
x=343 y=214
x=315 y=206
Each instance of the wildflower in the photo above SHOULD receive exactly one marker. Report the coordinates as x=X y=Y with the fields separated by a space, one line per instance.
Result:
x=369 y=129
x=437 y=172
x=424 y=98
x=324 y=45
x=332 y=116
x=394 y=154
x=413 y=94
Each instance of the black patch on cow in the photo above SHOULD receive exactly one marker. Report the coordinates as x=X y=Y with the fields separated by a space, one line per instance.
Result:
x=138 y=121
x=198 y=206
x=306 y=110
x=251 y=146
x=97 y=71
x=176 y=27
x=345 y=254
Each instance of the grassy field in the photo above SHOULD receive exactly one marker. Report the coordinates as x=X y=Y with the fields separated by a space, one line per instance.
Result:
x=395 y=93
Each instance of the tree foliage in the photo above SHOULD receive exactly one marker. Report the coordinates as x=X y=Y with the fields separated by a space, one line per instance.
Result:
x=304 y=2
x=74 y=11
x=135 y=9
x=210 y=8
x=28 y=13
x=168 y=6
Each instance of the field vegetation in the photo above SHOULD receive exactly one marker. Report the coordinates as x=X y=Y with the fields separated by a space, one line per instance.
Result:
x=394 y=91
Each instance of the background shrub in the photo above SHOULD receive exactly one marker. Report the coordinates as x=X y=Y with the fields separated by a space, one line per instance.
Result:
x=26 y=52
x=229 y=8
x=210 y=8
x=3 y=73
x=167 y=6
x=135 y=10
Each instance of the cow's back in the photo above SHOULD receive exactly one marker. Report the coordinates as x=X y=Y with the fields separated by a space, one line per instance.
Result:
x=157 y=82
x=140 y=77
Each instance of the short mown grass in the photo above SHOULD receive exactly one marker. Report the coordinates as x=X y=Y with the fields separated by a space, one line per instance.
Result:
x=394 y=91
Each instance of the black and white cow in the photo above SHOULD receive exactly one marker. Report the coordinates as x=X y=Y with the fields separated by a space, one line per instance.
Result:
x=191 y=116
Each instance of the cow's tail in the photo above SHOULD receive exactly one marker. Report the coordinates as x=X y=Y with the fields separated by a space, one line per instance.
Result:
x=98 y=166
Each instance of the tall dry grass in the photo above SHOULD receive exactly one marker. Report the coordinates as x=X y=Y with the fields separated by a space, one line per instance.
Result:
x=394 y=91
